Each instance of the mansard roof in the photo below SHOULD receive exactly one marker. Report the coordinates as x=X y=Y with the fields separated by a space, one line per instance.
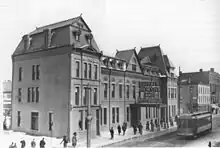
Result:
x=156 y=57
x=168 y=63
x=125 y=54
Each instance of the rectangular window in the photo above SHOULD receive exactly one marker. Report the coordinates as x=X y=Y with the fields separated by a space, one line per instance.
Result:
x=33 y=72
x=127 y=91
x=117 y=114
x=86 y=114
x=128 y=113
x=105 y=90
x=37 y=94
x=29 y=95
x=96 y=72
x=20 y=74
x=113 y=115
x=19 y=119
x=120 y=90
x=169 y=110
x=134 y=92
x=101 y=116
x=19 y=94
x=34 y=120
x=90 y=70
x=149 y=113
x=146 y=112
x=154 y=113
x=50 y=121
x=77 y=69
x=95 y=96
x=85 y=70
x=81 y=120
x=105 y=116
x=133 y=67
x=84 y=96
x=33 y=94
x=77 y=96
x=113 y=90
x=38 y=72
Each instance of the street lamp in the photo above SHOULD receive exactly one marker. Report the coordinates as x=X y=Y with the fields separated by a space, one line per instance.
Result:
x=89 y=115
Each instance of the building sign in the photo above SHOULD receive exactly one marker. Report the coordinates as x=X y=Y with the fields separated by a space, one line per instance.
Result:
x=150 y=91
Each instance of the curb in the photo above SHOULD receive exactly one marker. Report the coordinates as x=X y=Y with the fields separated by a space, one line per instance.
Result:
x=146 y=136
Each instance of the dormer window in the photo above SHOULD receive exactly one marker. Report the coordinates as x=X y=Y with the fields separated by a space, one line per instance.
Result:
x=77 y=35
x=89 y=38
x=134 y=64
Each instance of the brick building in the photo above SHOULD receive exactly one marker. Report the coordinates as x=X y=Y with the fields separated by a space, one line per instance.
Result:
x=51 y=67
x=168 y=79
x=209 y=77
x=194 y=96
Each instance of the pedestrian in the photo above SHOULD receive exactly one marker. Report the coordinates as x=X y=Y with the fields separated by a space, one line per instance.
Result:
x=210 y=144
x=112 y=132
x=42 y=143
x=12 y=145
x=134 y=129
x=119 y=129
x=74 y=140
x=23 y=143
x=140 y=127
x=64 y=141
x=15 y=146
x=33 y=143
x=124 y=127
x=152 y=125
x=147 y=126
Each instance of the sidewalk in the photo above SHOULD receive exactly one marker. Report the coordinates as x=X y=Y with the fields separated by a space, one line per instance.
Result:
x=104 y=140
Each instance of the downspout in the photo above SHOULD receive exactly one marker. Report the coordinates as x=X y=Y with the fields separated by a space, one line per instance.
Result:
x=12 y=91
x=124 y=99
x=69 y=97
x=81 y=77
x=109 y=81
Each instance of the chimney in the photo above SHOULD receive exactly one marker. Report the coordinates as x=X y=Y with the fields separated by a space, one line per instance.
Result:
x=46 y=34
x=26 y=41
x=212 y=69
x=200 y=70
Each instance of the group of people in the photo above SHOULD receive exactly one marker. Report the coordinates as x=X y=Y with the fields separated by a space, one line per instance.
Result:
x=140 y=128
x=65 y=140
x=33 y=144
x=119 y=127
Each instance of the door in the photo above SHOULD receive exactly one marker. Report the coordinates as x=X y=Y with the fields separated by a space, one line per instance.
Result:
x=97 y=123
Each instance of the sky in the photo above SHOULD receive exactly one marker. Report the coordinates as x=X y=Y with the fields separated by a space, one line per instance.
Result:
x=188 y=31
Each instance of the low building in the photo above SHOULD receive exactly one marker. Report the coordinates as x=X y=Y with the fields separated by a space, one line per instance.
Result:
x=194 y=96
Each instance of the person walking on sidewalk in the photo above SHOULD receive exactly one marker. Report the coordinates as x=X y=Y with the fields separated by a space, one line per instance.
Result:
x=23 y=143
x=112 y=132
x=210 y=144
x=152 y=125
x=140 y=127
x=15 y=146
x=42 y=143
x=119 y=129
x=147 y=126
x=33 y=144
x=134 y=129
x=74 y=140
x=64 y=141
x=124 y=127
x=12 y=145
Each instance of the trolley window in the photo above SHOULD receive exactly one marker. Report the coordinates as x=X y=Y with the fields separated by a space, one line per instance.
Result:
x=186 y=123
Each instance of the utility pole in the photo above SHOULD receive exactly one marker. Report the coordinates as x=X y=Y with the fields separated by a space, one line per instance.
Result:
x=89 y=116
x=178 y=85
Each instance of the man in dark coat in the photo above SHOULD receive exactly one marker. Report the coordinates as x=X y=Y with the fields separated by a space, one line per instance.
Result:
x=135 y=129
x=124 y=127
x=42 y=143
x=23 y=143
x=140 y=127
x=112 y=132
x=119 y=129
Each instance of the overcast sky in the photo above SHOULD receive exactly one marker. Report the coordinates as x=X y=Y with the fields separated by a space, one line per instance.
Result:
x=188 y=31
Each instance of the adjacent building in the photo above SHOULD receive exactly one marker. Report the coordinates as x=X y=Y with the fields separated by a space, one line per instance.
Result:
x=194 y=97
x=210 y=78
x=6 y=98
x=168 y=79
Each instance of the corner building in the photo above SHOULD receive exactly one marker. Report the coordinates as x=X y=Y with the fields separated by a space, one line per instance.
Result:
x=51 y=67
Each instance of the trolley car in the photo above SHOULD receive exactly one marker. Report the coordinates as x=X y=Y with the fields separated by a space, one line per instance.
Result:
x=194 y=124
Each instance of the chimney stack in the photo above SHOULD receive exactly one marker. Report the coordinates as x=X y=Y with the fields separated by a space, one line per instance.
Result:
x=200 y=70
x=212 y=69
x=26 y=41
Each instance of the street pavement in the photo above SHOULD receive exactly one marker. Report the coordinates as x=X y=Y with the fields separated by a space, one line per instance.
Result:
x=172 y=140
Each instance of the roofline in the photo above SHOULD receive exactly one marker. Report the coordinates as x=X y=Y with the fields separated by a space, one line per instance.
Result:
x=114 y=58
x=124 y=50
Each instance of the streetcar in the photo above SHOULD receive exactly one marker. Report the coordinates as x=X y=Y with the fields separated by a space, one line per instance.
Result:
x=194 y=123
